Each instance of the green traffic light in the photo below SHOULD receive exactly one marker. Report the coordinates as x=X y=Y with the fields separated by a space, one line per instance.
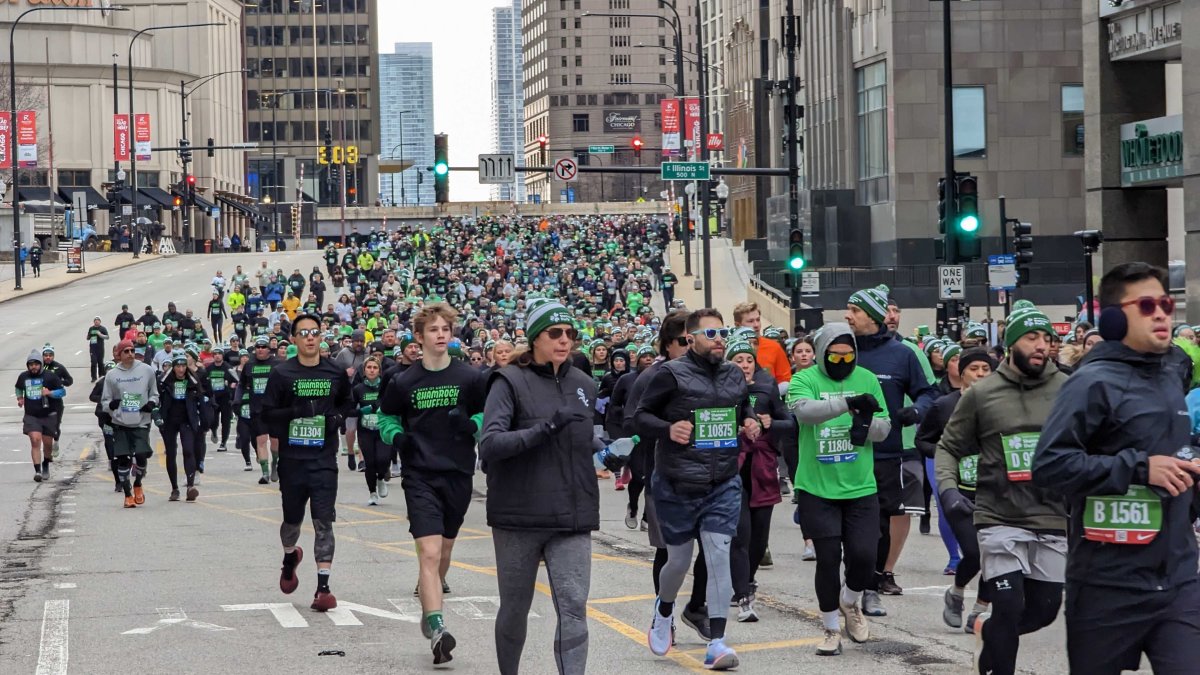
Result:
x=968 y=224
x=796 y=263
x=441 y=168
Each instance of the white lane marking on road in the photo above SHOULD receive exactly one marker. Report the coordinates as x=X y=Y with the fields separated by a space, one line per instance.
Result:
x=52 y=653
x=169 y=616
x=10 y=332
x=107 y=297
x=196 y=293
x=60 y=569
x=65 y=586
x=66 y=530
x=284 y=612
x=130 y=288
x=78 y=352
x=343 y=614
x=59 y=314
x=67 y=512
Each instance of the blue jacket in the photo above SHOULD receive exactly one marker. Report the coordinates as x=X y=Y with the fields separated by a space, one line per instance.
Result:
x=900 y=374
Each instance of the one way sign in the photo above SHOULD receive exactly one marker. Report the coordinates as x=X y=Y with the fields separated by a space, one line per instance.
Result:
x=952 y=282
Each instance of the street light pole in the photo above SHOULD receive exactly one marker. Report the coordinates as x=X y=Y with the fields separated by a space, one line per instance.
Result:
x=12 y=120
x=702 y=141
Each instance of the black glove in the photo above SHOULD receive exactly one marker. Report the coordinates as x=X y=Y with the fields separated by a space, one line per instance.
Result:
x=114 y=404
x=615 y=463
x=149 y=406
x=908 y=416
x=956 y=502
x=863 y=404
x=158 y=420
x=860 y=426
x=461 y=423
x=566 y=415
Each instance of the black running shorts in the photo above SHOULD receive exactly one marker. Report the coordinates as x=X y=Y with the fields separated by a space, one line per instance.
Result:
x=436 y=502
x=308 y=482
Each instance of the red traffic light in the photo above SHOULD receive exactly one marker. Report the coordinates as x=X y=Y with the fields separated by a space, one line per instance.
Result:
x=637 y=142
x=543 y=140
x=191 y=180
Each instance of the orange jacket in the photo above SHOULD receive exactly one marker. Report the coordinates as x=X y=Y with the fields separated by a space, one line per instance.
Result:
x=772 y=357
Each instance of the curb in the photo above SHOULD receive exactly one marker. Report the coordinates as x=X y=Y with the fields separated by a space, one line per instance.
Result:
x=69 y=281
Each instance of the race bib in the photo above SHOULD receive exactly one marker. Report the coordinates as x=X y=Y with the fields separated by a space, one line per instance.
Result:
x=1018 y=454
x=307 y=431
x=834 y=446
x=245 y=411
x=180 y=391
x=218 y=381
x=968 y=470
x=131 y=402
x=715 y=428
x=33 y=389
x=260 y=385
x=370 y=421
x=106 y=430
x=1132 y=518
x=92 y=340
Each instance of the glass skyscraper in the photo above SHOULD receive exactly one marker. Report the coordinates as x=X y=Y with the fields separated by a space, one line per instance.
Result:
x=508 y=99
x=406 y=123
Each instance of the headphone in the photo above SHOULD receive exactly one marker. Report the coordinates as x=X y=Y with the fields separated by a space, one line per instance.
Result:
x=1112 y=324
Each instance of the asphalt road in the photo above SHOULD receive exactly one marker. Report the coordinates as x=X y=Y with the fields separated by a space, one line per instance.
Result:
x=90 y=587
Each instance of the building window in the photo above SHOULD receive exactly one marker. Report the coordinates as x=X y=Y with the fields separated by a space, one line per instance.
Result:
x=578 y=61
x=562 y=42
x=74 y=177
x=872 y=132
x=970 y=122
x=580 y=123
x=578 y=80
x=620 y=78
x=618 y=40
x=591 y=100
x=578 y=42
x=618 y=22
x=564 y=61
x=1072 y=119
x=564 y=80
x=580 y=99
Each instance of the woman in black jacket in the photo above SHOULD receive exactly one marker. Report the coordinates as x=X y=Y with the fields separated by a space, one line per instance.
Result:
x=180 y=422
x=542 y=500
x=377 y=455
x=104 y=419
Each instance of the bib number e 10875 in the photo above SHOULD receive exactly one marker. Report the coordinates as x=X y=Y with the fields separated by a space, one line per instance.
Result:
x=715 y=428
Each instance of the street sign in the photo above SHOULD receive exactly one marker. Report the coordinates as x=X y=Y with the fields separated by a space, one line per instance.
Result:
x=566 y=169
x=601 y=149
x=245 y=146
x=497 y=169
x=952 y=282
x=810 y=282
x=1002 y=272
x=686 y=171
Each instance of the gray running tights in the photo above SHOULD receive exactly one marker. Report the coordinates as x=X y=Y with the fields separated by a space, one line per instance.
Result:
x=569 y=567
x=720 y=581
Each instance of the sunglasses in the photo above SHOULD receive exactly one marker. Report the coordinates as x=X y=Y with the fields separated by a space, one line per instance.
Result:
x=848 y=357
x=262 y=346
x=308 y=332
x=712 y=333
x=126 y=351
x=1146 y=304
x=557 y=332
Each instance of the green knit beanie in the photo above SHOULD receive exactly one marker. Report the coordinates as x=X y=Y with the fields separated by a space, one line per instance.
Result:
x=1025 y=318
x=543 y=314
x=950 y=351
x=873 y=301
x=738 y=347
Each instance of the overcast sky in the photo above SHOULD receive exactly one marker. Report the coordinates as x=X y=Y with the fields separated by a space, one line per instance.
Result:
x=461 y=33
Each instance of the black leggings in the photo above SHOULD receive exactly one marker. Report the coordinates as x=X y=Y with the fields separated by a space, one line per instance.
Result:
x=174 y=436
x=377 y=456
x=109 y=446
x=699 y=576
x=749 y=545
x=217 y=322
x=963 y=525
x=858 y=550
x=1019 y=606
x=96 y=364
x=224 y=415
x=245 y=438
x=635 y=487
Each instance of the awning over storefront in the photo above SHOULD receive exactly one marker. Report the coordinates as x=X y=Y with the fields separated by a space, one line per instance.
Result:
x=157 y=195
x=34 y=193
x=201 y=203
x=245 y=209
x=95 y=200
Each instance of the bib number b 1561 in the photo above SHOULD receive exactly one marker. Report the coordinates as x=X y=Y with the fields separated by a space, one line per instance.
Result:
x=1132 y=518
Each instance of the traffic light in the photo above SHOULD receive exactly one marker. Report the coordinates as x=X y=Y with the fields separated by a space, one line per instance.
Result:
x=637 y=146
x=177 y=201
x=966 y=218
x=796 y=261
x=1022 y=242
x=212 y=150
x=189 y=184
x=543 y=142
x=441 y=168
x=185 y=150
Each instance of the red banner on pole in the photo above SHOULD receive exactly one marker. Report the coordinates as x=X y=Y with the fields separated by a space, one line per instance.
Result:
x=121 y=138
x=141 y=136
x=670 y=125
x=691 y=125
x=27 y=155
x=5 y=140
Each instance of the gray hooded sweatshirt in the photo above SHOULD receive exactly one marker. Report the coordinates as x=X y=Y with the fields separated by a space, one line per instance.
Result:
x=814 y=411
x=134 y=387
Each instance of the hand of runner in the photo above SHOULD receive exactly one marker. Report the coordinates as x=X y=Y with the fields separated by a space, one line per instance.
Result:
x=863 y=404
x=1171 y=474
x=566 y=415
x=20 y=403
x=752 y=428
x=681 y=432
x=46 y=391
x=765 y=419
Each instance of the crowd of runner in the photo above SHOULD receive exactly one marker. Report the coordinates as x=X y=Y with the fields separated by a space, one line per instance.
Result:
x=531 y=350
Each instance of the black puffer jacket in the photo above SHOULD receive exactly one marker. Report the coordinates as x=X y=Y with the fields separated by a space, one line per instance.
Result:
x=1118 y=409
x=539 y=479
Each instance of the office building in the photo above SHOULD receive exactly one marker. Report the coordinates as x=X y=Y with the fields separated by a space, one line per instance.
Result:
x=592 y=84
x=508 y=102
x=406 y=124
x=63 y=79
x=313 y=72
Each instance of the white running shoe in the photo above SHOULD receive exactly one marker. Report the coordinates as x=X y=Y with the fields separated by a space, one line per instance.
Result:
x=659 y=635
x=382 y=487
x=373 y=500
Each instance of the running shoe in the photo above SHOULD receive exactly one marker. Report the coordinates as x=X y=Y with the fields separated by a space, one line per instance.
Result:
x=263 y=481
x=46 y=472
x=382 y=488
x=969 y=624
x=644 y=527
x=952 y=610
x=871 y=605
x=192 y=493
x=831 y=643
x=288 y=581
x=395 y=468
x=274 y=472
x=221 y=448
x=696 y=618
x=888 y=585
x=373 y=500
x=248 y=467
x=445 y=590
x=200 y=467
x=54 y=451
x=174 y=496
x=810 y=554
x=951 y=569
x=720 y=656
x=767 y=561
x=117 y=487
x=784 y=486
x=362 y=467
x=129 y=502
x=214 y=437
x=323 y=601
x=445 y=587
x=631 y=519
x=746 y=613
x=442 y=643
x=924 y=525
x=659 y=635
x=857 y=628
x=37 y=476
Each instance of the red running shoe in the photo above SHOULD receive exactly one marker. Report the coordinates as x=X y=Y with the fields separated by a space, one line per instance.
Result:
x=288 y=581
x=323 y=601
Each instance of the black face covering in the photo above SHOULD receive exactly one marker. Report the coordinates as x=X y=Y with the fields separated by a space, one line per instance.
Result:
x=838 y=371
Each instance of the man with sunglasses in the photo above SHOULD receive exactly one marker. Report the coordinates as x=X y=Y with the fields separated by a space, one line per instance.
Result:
x=305 y=399
x=694 y=407
x=130 y=394
x=252 y=387
x=1022 y=547
x=1117 y=446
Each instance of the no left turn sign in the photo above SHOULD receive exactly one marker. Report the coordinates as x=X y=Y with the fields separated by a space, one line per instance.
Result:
x=566 y=169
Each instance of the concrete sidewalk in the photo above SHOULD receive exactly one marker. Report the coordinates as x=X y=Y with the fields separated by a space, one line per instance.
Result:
x=730 y=274
x=56 y=276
